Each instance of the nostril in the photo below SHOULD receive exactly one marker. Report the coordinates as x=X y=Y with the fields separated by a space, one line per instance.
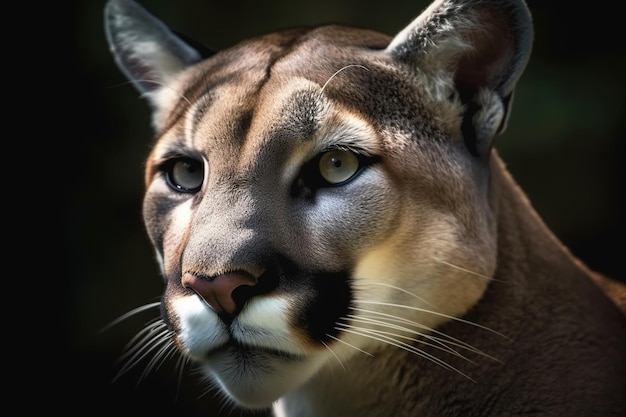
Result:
x=218 y=291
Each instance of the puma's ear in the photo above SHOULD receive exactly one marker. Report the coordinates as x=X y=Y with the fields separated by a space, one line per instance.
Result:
x=146 y=50
x=472 y=50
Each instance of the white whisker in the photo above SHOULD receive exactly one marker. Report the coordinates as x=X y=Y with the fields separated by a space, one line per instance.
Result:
x=478 y=274
x=167 y=350
x=338 y=71
x=444 y=338
x=334 y=354
x=350 y=345
x=381 y=303
x=399 y=289
x=156 y=336
x=437 y=344
x=142 y=336
x=130 y=314
x=180 y=365
x=402 y=345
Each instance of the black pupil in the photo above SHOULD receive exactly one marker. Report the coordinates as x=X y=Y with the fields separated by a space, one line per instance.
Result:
x=191 y=166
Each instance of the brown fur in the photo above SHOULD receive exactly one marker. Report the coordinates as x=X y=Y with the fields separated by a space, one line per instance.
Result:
x=424 y=284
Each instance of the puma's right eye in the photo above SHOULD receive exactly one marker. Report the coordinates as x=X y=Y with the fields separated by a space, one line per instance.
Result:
x=184 y=174
x=337 y=167
x=331 y=168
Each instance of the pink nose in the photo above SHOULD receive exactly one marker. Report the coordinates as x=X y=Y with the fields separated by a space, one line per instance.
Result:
x=218 y=291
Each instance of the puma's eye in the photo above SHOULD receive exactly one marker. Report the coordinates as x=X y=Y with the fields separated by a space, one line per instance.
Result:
x=185 y=174
x=338 y=166
x=332 y=168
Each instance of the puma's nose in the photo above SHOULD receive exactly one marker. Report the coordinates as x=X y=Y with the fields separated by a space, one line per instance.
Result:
x=218 y=291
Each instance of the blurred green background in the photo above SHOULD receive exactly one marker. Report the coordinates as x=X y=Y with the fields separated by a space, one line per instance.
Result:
x=565 y=146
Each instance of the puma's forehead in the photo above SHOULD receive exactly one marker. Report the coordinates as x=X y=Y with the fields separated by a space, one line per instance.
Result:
x=253 y=63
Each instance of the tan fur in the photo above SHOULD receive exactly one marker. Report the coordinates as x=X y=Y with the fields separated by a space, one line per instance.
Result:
x=423 y=282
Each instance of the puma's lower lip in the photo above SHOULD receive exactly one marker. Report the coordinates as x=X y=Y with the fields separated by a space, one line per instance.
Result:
x=234 y=347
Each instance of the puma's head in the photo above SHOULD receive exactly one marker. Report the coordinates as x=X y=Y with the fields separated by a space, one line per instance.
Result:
x=309 y=186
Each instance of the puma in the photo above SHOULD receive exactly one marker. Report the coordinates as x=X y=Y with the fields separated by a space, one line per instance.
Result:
x=338 y=235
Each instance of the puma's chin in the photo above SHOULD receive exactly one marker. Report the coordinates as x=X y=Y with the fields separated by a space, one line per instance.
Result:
x=256 y=378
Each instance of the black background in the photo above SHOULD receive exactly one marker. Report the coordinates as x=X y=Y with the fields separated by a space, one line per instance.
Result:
x=77 y=253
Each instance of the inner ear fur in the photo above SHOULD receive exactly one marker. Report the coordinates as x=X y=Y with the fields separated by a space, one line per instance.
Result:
x=475 y=51
x=146 y=50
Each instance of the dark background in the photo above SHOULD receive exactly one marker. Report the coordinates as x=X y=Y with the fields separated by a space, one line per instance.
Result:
x=92 y=261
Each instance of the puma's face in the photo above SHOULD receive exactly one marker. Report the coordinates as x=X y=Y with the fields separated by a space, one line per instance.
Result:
x=319 y=194
x=295 y=203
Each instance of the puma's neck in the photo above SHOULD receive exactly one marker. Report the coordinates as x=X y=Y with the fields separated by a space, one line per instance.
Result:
x=522 y=234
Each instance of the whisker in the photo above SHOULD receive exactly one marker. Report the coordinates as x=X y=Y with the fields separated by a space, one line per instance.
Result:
x=180 y=365
x=402 y=345
x=141 y=337
x=381 y=303
x=165 y=352
x=155 y=337
x=130 y=314
x=438 y=344
x=423 y=300
x=348 y=344
x=445 y=338
x=141 y=353
x=160 y=345
x=460 y=268
x=338 y=71
x=334 y=354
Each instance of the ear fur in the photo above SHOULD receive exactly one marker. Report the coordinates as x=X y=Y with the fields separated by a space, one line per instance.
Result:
x=145 y=49
x=472 y=50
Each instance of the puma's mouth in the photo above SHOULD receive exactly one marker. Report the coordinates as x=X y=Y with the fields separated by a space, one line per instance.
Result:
x=256 y=376
x=243 y=351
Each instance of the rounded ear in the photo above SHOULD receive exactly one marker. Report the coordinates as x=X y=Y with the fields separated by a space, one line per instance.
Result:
x=474 y=50
x=145 y=49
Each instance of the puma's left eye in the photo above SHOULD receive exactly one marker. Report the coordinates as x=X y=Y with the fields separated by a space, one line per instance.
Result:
x=337 y=167
x=185 y=174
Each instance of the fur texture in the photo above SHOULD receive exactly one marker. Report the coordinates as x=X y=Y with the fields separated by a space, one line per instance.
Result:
x=338 y=236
